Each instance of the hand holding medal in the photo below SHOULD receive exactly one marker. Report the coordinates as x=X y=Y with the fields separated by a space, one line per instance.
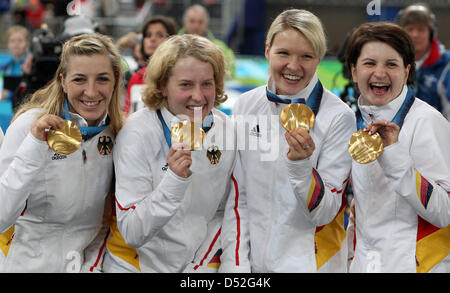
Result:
x=297 y=115
x=66 y=140
x=189 y=134
x=388 y=131
x=364 y=147
x=61 y=135
x=298 y=119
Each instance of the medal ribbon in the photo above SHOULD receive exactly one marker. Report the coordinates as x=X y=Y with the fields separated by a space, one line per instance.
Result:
x=88 y=131
x=206 y=126
x=399 y=116
x=313 y=102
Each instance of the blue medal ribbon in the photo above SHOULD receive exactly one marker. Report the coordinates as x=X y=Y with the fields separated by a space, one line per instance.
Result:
x=166 y=129
x=206 y=126
x=399 y=116
x=89 y=131
x=313 y=102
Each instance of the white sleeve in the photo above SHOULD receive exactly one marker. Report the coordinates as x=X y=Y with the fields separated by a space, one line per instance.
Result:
x=421 y=174
x=320 y=188
x=235 y=235
x=22 y=157
x=142 y=208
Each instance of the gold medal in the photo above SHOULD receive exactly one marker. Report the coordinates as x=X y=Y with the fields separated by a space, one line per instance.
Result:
x=297 y=115
x=188 y=133
x=66 y=140
x=365 y=148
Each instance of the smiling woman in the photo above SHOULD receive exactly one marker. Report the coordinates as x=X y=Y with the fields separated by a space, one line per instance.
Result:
x=379 y=73
x=89 y=84
x=401 y=197
x=169 y=199
x=54 y=202
x=283 y=200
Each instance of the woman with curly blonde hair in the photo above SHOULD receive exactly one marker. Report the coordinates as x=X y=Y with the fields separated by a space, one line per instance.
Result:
x=168 y=197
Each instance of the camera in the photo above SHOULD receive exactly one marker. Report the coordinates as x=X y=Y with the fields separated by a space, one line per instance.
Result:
x=46 y=49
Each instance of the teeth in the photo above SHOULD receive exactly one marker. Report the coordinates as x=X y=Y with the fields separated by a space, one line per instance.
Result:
x=291 y=77
x=90 y=103
x=195 y=108
x=379 y=84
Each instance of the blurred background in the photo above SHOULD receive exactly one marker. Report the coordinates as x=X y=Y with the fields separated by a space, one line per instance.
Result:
x=240 y=24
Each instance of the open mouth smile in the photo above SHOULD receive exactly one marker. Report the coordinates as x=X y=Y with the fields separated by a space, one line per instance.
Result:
x=291 y=77
x=90 y=103
x=379 y=88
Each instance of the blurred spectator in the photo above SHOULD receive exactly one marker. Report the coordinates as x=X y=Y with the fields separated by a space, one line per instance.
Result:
x=59 y=6
x=255 y=15
x=4 y=15
x=432 y=60
x=40 y=66
x=18 y=42
x=132 y=41
x=77 y=25
x=4 y=5
x=109 y=8
x=86 y=8
x=34 y=13
x=196 y=21
x=154 y=32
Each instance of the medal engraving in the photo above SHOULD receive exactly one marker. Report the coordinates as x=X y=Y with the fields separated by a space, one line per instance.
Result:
x=365 y=148
x=66 y=140
x=188 y=133
x=297 y=115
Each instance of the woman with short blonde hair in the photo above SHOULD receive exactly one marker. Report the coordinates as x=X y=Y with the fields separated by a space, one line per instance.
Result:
x=306 y=23
x=277 y=204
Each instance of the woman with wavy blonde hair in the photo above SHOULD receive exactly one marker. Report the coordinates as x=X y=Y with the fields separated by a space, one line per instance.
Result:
x=52 y=203
x=177 y=48
x=51 y=98
x=167 y=196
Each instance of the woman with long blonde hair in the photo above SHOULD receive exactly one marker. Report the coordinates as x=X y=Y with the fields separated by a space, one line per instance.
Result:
x=53 y=203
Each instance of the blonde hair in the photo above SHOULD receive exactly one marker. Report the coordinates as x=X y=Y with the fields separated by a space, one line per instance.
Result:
x=52 y=97
x=167 y=55
x=18 y=29
x=303 y=21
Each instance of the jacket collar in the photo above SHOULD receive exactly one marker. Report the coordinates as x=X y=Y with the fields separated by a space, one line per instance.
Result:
x=303 y=94
x=81 y=122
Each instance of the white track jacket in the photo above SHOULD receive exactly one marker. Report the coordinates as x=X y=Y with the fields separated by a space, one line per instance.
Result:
x=52 y=205
x=165 y=217
x=276 y=204
x=402 y=199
